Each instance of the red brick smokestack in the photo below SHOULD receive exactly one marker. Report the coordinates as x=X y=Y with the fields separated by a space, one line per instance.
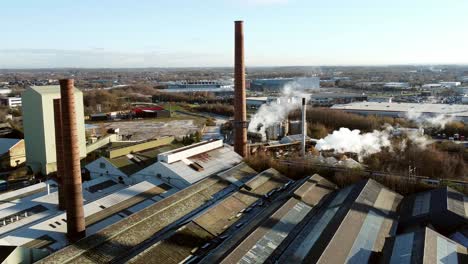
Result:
x=76 y=228
x=240 y=117
x=59 y=153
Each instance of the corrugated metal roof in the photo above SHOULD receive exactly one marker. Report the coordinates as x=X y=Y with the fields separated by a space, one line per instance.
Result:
x=213 y=161
x=457 y=110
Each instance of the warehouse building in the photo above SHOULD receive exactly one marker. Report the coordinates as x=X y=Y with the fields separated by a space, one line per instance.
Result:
x=278 y=84
x=150 y=112
x=458 y=112
x=327 y=99
x=241 y=216
x=173 y=211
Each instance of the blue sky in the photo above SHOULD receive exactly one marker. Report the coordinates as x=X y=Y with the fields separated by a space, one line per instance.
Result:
x=181 y=33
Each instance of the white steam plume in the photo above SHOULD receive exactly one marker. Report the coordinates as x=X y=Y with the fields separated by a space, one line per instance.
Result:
x=271 y=113
x=439 y=121
x=346 y=140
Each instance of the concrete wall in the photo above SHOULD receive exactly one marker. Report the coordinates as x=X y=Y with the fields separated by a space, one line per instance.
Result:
x=101 y=143
x=121 y=151
x=39 y=127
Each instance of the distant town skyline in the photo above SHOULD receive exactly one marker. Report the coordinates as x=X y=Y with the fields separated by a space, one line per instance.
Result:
x=184 y=33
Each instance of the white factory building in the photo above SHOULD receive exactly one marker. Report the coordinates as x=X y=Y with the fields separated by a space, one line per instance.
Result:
x=441 y=85
x=459 y=112
x=397 y=85
x=11 y=101
x=39 y=127
x=179 y=167
x=450 y=84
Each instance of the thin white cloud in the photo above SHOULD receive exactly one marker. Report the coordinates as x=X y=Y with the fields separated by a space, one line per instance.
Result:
x=101 y=58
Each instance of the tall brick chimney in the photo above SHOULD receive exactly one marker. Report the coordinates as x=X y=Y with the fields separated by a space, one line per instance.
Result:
x=76 y=228
x=240 y=117
x=59 y=153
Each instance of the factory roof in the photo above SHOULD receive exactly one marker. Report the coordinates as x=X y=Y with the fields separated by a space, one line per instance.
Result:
x=22 y=208
x=444 y=208
x=120 y=239
x=336 y=95
x=147 y=158
x=456 y=110
x=185 y=168
x=147 y=109
x=50 y=231
x=423 y=246
x=349 y=227
x=204 y=230
x=275 y=225
x=241 y=216
x=211 y=161
x=7 y=143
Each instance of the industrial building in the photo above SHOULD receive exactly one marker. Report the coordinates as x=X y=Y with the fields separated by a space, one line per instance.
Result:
x=121 y=240
x=318 y=99
x=450 y=84
x=179 y=167
x=328 y=99
x=12 y=152
x=39 y=126
x=458 y=112
x=151 y=112
x=256 y=102
x=11 y=102
x=31 y=217
x=278 y=84
x=396 y=85
x=200 y=86
x=241 y=216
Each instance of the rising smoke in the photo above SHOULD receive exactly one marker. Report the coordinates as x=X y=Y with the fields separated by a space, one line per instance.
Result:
x=271 y=113
x=439 y=121
x=346 y=140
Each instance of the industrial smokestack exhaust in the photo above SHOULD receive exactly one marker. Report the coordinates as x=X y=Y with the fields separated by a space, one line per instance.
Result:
x=59 y=153
x=304 y=127
x=240 y=116
x=76 y=228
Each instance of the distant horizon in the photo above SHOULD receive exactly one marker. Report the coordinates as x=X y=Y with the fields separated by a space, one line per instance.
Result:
x=247 y=66
x=188 y=33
